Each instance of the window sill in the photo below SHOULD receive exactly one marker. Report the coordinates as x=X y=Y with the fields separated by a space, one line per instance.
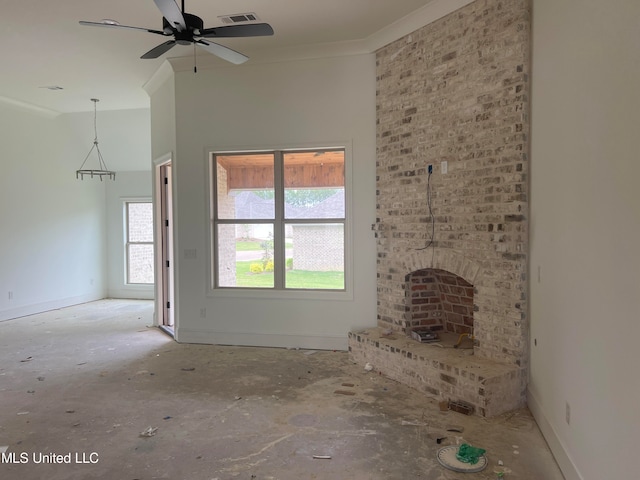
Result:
x=259 y=293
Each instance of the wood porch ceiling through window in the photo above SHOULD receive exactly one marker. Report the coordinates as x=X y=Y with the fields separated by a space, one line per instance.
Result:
x=313 y=169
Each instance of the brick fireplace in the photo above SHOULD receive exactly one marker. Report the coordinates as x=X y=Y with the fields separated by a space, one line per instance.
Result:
x=454 y=95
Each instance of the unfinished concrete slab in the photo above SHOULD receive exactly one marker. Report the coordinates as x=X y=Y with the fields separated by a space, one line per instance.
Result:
x=96 y=385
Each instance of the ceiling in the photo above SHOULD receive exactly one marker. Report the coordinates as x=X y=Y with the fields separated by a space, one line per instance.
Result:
x=43 y=44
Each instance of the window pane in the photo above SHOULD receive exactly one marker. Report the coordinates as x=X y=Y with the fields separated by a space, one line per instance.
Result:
x=314 y=184
x=315 y=256
x=245 y=186
x=245 y=259
x=140 y=218
x=140 y=263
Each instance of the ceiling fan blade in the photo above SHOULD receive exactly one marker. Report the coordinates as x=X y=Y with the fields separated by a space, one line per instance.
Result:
x=114 y=24
x=248 y=30
x=171 y=11
x=159 y=50
x=223 y=52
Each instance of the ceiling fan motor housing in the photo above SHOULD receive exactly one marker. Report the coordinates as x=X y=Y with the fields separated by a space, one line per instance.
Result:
x=194 y=26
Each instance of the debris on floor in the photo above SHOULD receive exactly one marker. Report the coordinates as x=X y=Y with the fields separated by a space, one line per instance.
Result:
x=149 y=432
x=469 y=454
x=322 y=457
x=448 y=458
x=28 y=359
x=188 y=369
x=455 y=428
x=23 y=413
x=344 y=392
x=414 y=423
x=368 y=367
x=461 y=407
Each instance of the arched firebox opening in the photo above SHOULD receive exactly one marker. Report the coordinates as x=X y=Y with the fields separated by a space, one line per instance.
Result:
x=438 y=301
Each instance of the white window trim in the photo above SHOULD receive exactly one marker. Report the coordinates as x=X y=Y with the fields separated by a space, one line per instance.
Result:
x=125 y=229
x=272 y=293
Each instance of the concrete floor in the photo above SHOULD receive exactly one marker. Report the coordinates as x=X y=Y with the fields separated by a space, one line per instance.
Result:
x=87 y=380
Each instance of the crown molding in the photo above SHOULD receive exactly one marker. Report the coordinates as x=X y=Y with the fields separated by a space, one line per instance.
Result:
x=29 y=106
x=432 y=11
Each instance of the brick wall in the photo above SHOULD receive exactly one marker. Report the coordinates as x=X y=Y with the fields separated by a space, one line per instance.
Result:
x=457 y=91
x=318 y=247
x=226 y=233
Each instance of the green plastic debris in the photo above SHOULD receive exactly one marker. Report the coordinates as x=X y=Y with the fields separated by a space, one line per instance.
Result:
x=468 y=454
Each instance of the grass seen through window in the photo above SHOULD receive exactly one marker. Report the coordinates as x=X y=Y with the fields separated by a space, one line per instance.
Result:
x=247 y=275
x=295 y=278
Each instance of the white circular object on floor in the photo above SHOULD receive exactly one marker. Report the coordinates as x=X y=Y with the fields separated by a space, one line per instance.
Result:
x=447 y=458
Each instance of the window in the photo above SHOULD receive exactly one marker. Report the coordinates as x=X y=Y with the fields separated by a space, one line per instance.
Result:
x=139 y=241
x=278 y=219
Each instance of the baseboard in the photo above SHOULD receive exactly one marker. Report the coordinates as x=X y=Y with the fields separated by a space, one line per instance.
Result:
x=278 y=340
x=566 y=464
x=32 y=309
x=132 y=293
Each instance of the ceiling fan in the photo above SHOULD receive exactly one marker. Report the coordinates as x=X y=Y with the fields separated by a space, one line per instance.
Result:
x=187 y=29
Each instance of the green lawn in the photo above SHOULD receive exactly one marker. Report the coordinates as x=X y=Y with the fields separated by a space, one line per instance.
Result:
x=295 y=278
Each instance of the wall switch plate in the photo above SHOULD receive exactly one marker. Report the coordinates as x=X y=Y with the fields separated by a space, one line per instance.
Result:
x=444 y=167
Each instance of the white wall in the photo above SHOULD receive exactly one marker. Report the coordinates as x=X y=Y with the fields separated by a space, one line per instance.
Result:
x=124 y=137
x=53 y=226
x=585 y=232
x=287 y=104
x=53 y=247
x=161 y=90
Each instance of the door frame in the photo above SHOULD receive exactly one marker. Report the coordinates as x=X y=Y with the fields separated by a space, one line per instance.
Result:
x=165 y=317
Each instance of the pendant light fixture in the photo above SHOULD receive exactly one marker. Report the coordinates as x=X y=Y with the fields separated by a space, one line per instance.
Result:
x=102 y=170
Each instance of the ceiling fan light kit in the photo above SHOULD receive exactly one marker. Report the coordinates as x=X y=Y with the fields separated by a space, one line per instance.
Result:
x=188 y=29
x=102 y=170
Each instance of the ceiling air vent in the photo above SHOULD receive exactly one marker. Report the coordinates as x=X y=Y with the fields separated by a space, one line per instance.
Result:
x=239 y=18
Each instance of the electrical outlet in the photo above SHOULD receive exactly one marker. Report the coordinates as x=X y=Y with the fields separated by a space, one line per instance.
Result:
x=567 y=413
x=444 y=167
